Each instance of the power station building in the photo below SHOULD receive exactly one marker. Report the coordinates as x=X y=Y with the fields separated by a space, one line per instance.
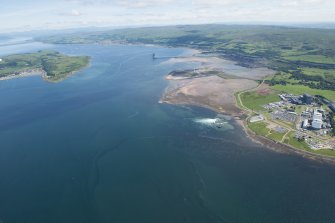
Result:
x=317 y=120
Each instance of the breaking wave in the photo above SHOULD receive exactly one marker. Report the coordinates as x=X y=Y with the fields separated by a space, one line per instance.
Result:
x=219 y=123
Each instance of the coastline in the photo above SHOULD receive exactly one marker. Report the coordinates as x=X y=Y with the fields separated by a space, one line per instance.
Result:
x=42 y=73
x=47 y=79
x=24 y=73
x=203 y=91
x=238 y=113
x=268 y=143
x=282 y=147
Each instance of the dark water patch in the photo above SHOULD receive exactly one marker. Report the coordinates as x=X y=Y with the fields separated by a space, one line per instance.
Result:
x=24 y=114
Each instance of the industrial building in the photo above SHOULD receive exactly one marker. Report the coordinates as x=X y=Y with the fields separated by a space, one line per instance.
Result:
x=257 y=118
x=317 y=120
x=305 y=124
x=317 y=124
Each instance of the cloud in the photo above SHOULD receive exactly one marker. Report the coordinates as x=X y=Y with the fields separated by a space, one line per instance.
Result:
x=144 y=4
x=67 y=13
x=125 y=3
x=289 y=3
x=73 y=12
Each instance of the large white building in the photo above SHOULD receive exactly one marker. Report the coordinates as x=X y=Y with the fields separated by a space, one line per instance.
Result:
x=305 y=124
x=317 y=124
x=317 y=120
x=317 y=115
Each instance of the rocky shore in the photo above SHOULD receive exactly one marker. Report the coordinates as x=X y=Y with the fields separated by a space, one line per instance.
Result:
x=25 y=73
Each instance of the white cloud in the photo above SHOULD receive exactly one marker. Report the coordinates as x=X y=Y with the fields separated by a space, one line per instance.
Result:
x=289 y=3
x=74 y=13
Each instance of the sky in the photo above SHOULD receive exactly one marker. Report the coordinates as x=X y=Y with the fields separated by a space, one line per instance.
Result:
x=23 y=15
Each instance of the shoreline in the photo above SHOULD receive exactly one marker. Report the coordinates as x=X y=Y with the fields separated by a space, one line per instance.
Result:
x=42 y=73
x=184 y=90
x=24 y=73
x=263 y=141
x=282 y=147
x=47 y=79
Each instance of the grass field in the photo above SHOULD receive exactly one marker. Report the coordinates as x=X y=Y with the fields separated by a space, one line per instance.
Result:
x=259 y=128
x=301 y=89
x=327 y=74
x=276 y=136
x=295 y=143
x=312 y=58
x=254 y=101
x=283 y=77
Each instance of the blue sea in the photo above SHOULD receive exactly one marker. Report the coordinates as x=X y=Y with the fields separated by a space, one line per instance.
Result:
x=99 y=148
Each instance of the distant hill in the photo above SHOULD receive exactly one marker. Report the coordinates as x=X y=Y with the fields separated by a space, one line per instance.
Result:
x=302 y=56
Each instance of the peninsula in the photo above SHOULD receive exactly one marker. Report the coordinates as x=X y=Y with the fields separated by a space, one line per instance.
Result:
x=52 y=65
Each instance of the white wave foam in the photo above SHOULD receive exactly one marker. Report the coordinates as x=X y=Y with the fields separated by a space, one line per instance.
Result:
x=207 y=121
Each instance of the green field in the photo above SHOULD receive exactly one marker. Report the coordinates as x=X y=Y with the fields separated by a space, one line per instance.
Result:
x=276 y=136
x=56 y=66
x=328 y=74
x=300 y=89
x=282 y=78
x=259 y=128
x=255 y=101
x=312 y=58
x=296 y=143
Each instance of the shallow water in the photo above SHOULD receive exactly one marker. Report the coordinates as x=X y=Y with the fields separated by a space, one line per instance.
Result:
x=98 y=147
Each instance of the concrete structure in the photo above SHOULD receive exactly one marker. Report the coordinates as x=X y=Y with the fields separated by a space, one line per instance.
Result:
x=317 y=115
x=317 y=124
x=284 y=116
x=257 y=118
x=317 y=120
x=305 y=124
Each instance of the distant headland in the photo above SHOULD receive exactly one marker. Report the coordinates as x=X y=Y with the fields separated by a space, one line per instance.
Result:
x=52 y=65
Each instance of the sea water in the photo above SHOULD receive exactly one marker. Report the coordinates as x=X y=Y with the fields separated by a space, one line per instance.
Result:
x=98 y=147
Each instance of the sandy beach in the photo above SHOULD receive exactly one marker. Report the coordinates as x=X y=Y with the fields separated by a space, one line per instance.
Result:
x=212 y=92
